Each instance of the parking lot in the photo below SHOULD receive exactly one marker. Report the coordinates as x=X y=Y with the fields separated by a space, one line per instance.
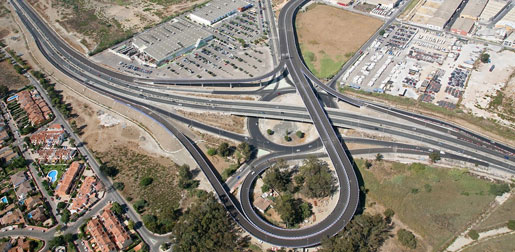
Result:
x=239 y=49
x=416 y=63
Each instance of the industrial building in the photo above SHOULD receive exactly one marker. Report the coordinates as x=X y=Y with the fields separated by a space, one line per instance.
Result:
x=508 y=21
x=435 y=14
x=169 y=40
x=463 y=26
x=473 y=9
x=217 y=10
x=491 y=9
x=468 y=17
x=385 y=3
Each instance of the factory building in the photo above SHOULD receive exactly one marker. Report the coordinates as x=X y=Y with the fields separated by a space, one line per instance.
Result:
x=435 y=14
x=508 y=21
x=169 y=40
x=385 y=3
x=492 y=8
x=217 y=10
x=468 y=17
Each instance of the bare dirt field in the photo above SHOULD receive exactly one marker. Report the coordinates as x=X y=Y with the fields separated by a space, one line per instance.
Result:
x=492 y=94
x=227 y=122
x=329 y=36
x=95 y=24
x=10 y=78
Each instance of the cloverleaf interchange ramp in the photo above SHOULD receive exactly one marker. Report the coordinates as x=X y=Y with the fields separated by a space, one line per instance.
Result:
x=47 y=40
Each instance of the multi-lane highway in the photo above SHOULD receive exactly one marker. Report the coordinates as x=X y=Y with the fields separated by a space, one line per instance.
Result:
x=131 y=91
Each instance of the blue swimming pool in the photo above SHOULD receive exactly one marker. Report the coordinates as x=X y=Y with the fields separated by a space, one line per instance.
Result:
x=4 y=200
x=52 y=175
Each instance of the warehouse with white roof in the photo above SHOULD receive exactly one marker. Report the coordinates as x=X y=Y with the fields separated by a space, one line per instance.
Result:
x=170 y=40
x=217 y=10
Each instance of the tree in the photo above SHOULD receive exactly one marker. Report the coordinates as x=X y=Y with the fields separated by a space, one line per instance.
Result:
x=186 y=178
x=140 y=205
x=363 y=233
x=473 y=234
x=119 y=186
x=269 y=132
x=57 y=241
x=299 y=179
x=485 y=57
x=246 y=150
x=292 y=211
x=407 y=238
x=211 y=151
x=434 y=156
x=61 y=205
x=146 y=181
x=388 y=214
x=379 y=157
x=299 y=134
x=224 y=150
x=65 y=216
x=3 y=90
x=511 y=224
x=206 y=226
x=318 y=178
x=368 y=164
x=108 y=170
x=117 y=208
x=275 y=178
x=381 y=32
x=287 y=138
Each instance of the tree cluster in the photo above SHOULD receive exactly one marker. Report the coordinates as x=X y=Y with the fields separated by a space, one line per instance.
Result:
x=364 y=233
x=292 y=211
x=318 y=181
x=206 y=226
x=277 y=177
x=186 y=178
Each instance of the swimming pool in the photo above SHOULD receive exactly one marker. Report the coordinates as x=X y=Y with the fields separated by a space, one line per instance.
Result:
x=52 y=175
x=4 y=200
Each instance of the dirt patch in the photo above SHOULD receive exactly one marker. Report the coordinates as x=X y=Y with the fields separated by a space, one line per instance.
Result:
x=227 y=122
x=329 y=36
x=97 y=24
x=10 y=78
x=228 y=97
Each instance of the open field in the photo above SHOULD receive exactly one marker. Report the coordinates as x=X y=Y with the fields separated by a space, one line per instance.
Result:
x=436 y=203
x=98 y=24
x=10 y=78
x=502 y=243
x=329 y=36
x=500 y=216
x=161 y=195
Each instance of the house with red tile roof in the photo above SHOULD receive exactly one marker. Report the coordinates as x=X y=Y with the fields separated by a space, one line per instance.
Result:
x=55 y=155
x=66 y=183
x=12 y=218
x=115 y=228
x=53 y=136
x=87 y=195
x=100 y=236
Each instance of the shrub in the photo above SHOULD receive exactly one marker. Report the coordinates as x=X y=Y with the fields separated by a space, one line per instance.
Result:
x=299 y=134
x=269 y=132
x=407 y=238
x=473 y=234
x=511 y=224
x=211 y=151
x=119 y=186
x=499 y=189
x=146 y=181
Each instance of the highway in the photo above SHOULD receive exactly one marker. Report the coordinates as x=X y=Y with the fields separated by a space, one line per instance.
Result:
x=119 y=87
